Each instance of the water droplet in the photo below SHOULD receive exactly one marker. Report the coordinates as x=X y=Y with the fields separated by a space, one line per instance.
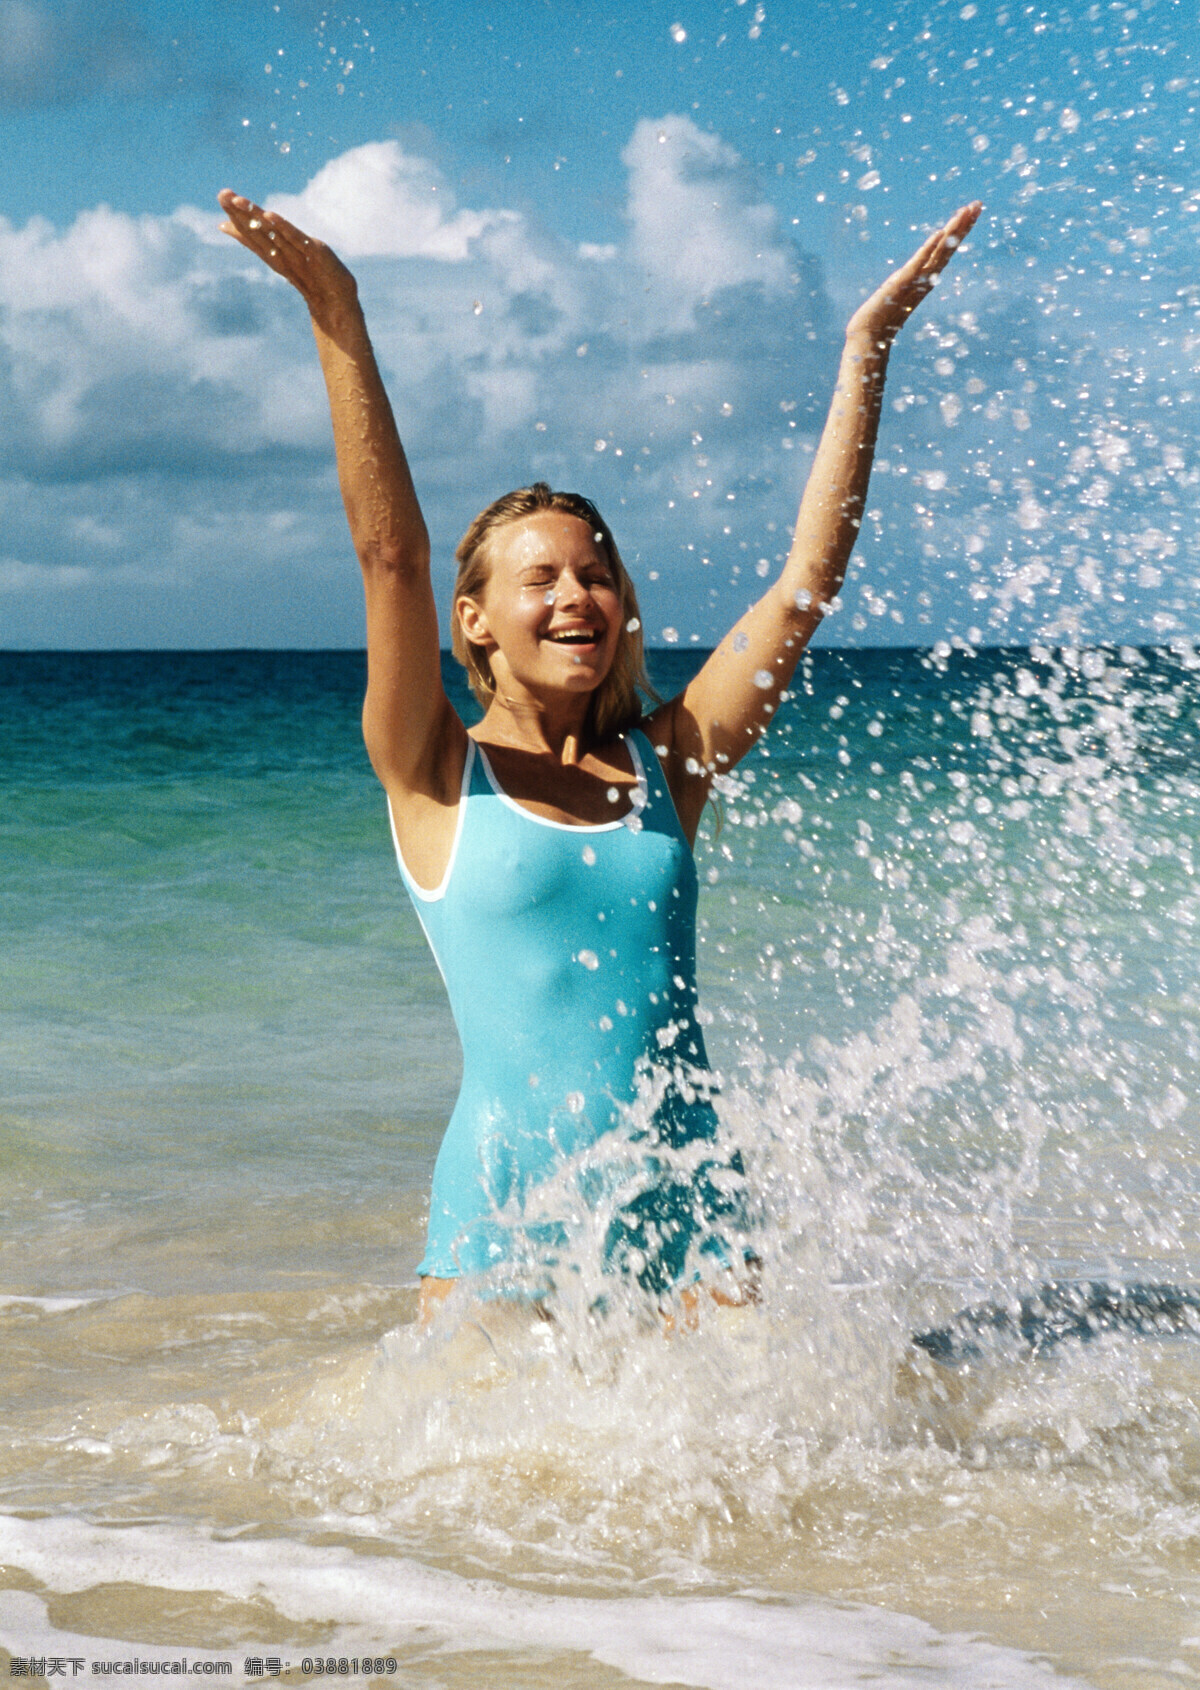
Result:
x=606 y=1024
x=575 y=1102
x=740 y=642
x=612 y=794
x=589 y=960
x=600 y=445
x=678 y=34
x=671 y=635
x=285 y=146
x=632 y=626
x=477 y=308
x=548 y=596
x=764 y=679
x=589 y=856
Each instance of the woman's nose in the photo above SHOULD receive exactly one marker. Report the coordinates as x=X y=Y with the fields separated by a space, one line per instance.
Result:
x=569 y=588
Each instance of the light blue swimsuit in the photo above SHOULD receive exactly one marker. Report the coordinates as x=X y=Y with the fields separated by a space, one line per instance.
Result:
x=569 y=957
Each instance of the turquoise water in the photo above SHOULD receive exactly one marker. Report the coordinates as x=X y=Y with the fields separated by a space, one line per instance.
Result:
x=215 y=984
x=947 y=945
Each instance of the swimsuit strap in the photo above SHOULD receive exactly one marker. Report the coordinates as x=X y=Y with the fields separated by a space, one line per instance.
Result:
x=659 y=801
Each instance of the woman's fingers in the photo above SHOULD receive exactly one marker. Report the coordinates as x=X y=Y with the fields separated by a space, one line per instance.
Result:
x=279 y=244
x=889 y=308
x=246 y=221
x=272 y=253
x=936 y=252
x=252 y=237
x=933 y=255
x=312 y=268
x=950 y=236
x=250 y=221
x=289 y=234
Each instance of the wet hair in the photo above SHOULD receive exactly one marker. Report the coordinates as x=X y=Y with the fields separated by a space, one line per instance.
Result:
x=616 y=704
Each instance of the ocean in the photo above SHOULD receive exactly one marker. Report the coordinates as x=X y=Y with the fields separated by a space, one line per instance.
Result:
x=947 y=954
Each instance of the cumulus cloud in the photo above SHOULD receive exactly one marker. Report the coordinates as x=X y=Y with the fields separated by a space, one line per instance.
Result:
x=378 y=201
x=166 y=442
x=698 y=222
x=151 y=345
x=129 y=347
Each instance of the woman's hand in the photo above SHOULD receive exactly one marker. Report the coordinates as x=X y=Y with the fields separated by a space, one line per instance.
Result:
x=313 y=269
x=879 y=319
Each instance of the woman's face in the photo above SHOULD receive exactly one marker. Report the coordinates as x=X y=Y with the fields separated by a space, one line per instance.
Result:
x=550 y=614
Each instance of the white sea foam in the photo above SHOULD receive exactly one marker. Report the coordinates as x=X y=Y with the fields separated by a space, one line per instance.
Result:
x=48 y=1305
x=376 y=1604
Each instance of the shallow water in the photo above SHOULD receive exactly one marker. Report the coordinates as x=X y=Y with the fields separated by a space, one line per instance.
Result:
x=947 y=944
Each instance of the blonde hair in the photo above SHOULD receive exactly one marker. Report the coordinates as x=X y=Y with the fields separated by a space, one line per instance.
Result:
x=616 y=704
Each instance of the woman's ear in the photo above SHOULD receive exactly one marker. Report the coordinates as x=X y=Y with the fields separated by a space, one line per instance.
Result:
x=472 y=619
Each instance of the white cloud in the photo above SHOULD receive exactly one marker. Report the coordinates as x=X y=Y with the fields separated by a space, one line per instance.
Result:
x=697 y=220
x=377 y=201
x=131 y=345
x=136 y=343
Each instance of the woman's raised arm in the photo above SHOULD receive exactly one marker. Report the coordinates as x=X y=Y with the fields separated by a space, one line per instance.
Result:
x=408 y=721
x=712 y=724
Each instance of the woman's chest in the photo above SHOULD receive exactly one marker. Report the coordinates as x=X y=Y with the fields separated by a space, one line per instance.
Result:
x=511 y=866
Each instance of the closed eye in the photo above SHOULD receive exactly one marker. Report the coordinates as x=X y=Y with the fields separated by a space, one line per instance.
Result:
x=596 y=578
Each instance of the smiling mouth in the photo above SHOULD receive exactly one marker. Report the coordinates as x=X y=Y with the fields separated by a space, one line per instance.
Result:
x=576 y=636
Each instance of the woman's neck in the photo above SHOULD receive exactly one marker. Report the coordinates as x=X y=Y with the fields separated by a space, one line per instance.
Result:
x=544 y=727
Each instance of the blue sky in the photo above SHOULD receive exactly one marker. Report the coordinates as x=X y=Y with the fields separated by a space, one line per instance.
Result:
x=613 y=247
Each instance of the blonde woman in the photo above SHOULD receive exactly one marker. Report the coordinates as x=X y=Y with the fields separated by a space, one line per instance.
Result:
x=547 y=850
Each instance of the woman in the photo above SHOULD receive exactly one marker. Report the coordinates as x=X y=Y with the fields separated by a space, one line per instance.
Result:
x=548 y=850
